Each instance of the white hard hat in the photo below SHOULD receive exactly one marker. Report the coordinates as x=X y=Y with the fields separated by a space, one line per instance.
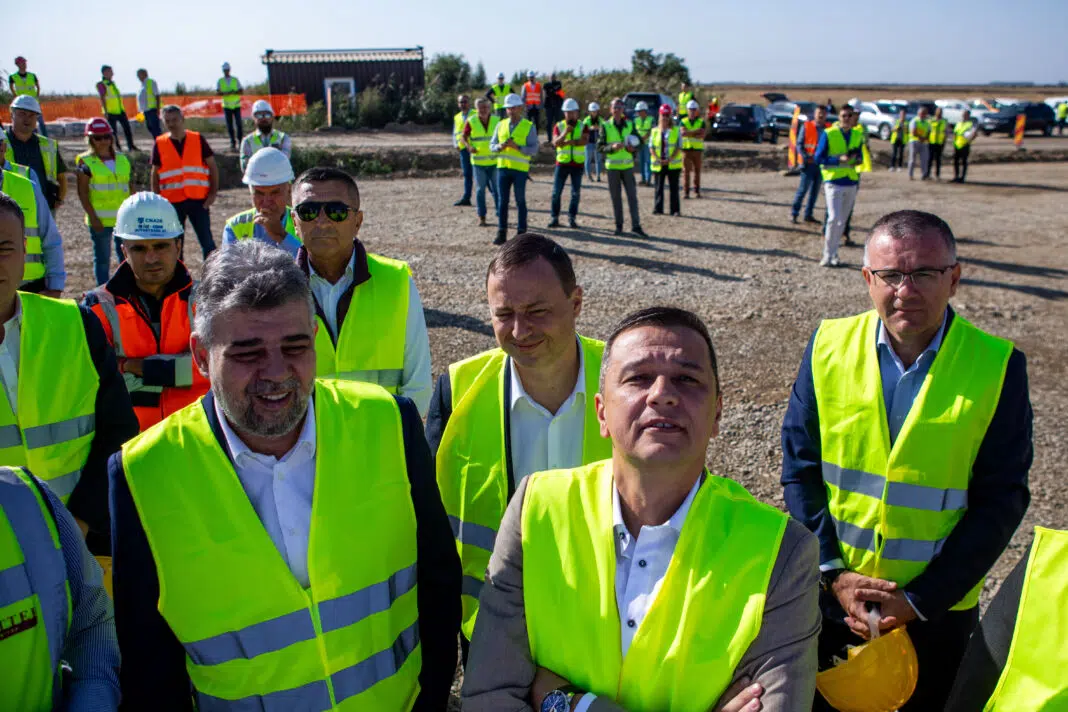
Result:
x=692 y=104
x=570 y=105
x=642 y=106
x=633 y=141
x=500 y=75
x=262 y=106
x=268 y=166
x=27 y=102
x=226 y=65
x=594 y=106
x=512 y=100
x=147 y=216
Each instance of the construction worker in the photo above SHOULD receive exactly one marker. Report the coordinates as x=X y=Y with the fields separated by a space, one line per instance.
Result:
x=936 y=142
x=530 y=93
x=265 y=134
x=149 y=102
x=906 y=447
x=713 y=109
x=570 y=138
x=459 y=122
x=693 y=147
x=58 y=618
x=963 y=135
x=919 y=146
x=23 y=82
x=666 y=146
x=497 y=94
x=370 y=323
x=553 y=102
x=230 y=90
x=594 y=125
x=515 y=143
x=685 y=97
x=269 y=177
x=112 y=107
x=643 y=125
x=839 y=152
x=254 y=592
x=184 y=172
x=632 y=580
x=811 y=178
x=66 y=408
x=520 y=408
x=478 y=131
x=618 y=147
x=40 y=153
x=146 y=310
x=103 y=183
x=1015 y=659
x=898 y=140
x=1062 y=117
x=43 y=272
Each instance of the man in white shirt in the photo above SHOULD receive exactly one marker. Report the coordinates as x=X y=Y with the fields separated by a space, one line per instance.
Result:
x=370 y=317
x=644 y=582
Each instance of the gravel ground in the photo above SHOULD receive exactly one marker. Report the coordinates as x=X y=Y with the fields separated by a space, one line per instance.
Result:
x=735 y=259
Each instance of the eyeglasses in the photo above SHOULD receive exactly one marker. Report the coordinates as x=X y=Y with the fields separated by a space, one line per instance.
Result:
x=336 y=211
x=921 y=278
x=263 y=115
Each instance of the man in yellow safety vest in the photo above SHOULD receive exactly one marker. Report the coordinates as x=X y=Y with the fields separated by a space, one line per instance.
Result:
x=478 y=132
x=23 y=82
x=229 y=88
x=515 y=143
x=149 y=103
x=41 y=154
x=497 y=94
x=963 y=135
x=265 y=135
x=459 y=123
x=619 y=142
x=112 y=107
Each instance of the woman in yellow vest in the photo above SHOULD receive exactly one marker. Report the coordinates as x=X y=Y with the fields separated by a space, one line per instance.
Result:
x=103 y=183
x=937 y=141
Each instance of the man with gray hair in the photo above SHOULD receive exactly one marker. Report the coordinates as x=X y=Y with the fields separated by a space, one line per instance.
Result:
x=295 y=524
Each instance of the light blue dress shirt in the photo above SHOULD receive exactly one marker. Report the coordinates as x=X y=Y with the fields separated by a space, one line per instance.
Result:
x=901 y=385
x=290 y=243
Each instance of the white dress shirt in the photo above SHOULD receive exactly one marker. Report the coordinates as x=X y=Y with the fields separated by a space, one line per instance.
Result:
x=280 y=490
x=417 y=383
x=9 y=356
x=542 y=440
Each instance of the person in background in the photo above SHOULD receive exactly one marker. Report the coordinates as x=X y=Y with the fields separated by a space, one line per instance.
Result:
x=594 y=125
x=184 y=172
x=497 y=93
x=811 y=178
x=532 y=98
x=840 y=151
x=666 y=148
x=963 y=135
x=919 y=144
x=269 y=177
x=515 y=143
x=111 y=105
x=265 y=134
x=693 y=147
x=478 y=131
x=618 y=148
x=686 y=95
x=898 y=138
x=1062 y=117
x=553 y=102
x=41 y=154
x=103 y=183
x=459 y=123
x=229 y=88
x=937 y=143
x=23 y=82
x=713 y=108
x=149 y=102
x=570 y=138
x=643 y=124
x=830 y=107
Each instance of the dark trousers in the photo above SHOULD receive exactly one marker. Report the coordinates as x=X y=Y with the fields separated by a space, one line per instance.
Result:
x=469 y=175
x=811 y=180
x=115 y=120
x=960 y=162
x=553 y=116
x=507 y=178
x=897 y=155
x=671 y=177
x=152 y=122
x=533 y=112
x=935 y=161
x=618 y=182
x=573 y=171
x=233 y=125
x=939 y=647
x=200 y=217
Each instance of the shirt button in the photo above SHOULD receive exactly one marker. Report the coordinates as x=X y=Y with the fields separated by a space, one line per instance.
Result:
x=641 y=563
x=631 y=623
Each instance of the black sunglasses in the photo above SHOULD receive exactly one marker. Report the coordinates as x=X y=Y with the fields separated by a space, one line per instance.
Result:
x=309 y=210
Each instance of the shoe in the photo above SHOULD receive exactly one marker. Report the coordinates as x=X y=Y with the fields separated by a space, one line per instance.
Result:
x=658 y=212
x=571 y=223
x=698 y=195
x=553 y=223
x=500 y=239
x=825 y=262
x=847 y=241
x=233 y=146
x=462 y=202
x=639 y=232
x=793 y=219
x=482 y=221
x=676 y=214
x=686 y=197
x=810 y=219
x=598 y=179
x=835 y=262
x=619 y=231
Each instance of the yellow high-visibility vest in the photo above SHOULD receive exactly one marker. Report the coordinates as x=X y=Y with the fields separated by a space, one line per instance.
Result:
x=480 y=139
x=499 y=93
x=960 y=134
x=458 y=123
x=656 y=143
x=621 y=160
x=689 y=143
x=231 y=98
x=922 y=129
x=20 y=189
x=112 y=98
x=938 y=131
x=49 y=156
x=24 y=84
x=571 y=154
x=107 y=189
x=510 y=157
x=836 y=146
x=643 y=126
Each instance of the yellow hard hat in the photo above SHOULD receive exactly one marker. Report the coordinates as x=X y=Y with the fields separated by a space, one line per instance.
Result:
x=878 y=676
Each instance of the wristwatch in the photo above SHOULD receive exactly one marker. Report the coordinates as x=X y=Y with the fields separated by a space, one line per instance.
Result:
x=559 y=700
x=827 y=578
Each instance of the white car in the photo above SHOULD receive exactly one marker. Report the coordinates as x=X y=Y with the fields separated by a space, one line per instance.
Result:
x=953 y=110
x=878 y=117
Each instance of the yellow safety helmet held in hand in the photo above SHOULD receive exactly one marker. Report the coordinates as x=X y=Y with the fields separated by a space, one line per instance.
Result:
x=878 y=676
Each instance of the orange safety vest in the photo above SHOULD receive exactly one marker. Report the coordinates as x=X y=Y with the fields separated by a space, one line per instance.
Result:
x=533 y=93
x=182 y=177
x=812 y=138
x=131 y=335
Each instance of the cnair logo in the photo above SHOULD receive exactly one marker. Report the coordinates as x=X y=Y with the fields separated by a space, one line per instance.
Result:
x=15 y=624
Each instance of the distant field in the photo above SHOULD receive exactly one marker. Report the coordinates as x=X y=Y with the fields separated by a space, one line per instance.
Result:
x=751 y=93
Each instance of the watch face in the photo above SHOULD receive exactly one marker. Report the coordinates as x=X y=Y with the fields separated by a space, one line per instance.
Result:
x=555 y=701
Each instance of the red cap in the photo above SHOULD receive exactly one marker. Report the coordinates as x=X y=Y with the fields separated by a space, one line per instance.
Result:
x=98 y=127
x=665 y=110
x=20 y=60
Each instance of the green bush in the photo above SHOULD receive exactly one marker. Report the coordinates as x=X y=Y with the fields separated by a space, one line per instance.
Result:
x=372 y=109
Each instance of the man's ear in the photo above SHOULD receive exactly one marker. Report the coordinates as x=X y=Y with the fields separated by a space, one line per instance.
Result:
x=200 y=354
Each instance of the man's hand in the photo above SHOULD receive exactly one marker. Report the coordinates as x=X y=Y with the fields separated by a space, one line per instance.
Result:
x=853 y=590
x=895 y=611
x=136 y=366
x=273 y=226
x=94 y=222
x=617 y=146
x=545 y=681
x=741 y=697
x=510 y=144
x=209 y=200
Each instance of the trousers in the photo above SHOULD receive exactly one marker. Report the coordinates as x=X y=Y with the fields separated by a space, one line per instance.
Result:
x=840 y=200
x=811 y=179
x=233 y=125
x=508 y=178
x=196 y=213
x=919 y=152
x=960 y=162
x=935 y=161
x=465 y=167
x=671 y=177
x=561 y=174
x=691 y=165
x=618 y=181
x=485 y=177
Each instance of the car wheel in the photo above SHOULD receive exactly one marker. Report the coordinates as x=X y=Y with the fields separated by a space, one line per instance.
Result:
x=774 y=135
x=884 y=132
x=987 y=132
x=1049 y=130
x=759 y=136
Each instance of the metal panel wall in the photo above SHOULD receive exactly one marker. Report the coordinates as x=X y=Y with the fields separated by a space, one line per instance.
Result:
x=307 y=77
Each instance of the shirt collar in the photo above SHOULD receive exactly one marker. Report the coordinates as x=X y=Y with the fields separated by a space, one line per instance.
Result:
x=519 y=393
x=882 y=340
x=675 y=522
x=241 y=452
x=16 y=318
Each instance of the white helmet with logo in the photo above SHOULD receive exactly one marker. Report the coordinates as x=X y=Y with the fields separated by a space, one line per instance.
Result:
x=570 y=105
x=642 y=106
x=268 y=166
x=147 y=216
x=262 y=106
x=512 y=100
x=27 y=102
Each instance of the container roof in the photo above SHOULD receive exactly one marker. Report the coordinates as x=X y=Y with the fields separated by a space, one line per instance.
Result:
x=318 y=56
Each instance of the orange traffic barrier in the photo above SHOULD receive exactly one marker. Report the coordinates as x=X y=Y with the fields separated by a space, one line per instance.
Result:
x=87 y=107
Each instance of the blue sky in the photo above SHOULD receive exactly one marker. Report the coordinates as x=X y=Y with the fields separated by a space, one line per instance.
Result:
x=953 y=41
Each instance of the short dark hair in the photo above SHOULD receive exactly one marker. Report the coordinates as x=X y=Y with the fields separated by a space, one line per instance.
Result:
x=912 y=223
x=329 y=174
x=8 y=205
x=527 y=248
x=659 y=316
x=104 y=68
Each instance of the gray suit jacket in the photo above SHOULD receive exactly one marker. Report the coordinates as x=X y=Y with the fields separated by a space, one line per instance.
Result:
x=500 y=670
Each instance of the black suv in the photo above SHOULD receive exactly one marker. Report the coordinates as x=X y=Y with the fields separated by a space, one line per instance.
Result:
x=747 y=121
x=1039 y=118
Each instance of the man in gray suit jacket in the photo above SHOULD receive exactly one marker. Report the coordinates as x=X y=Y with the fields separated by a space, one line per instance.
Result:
x=643 y=582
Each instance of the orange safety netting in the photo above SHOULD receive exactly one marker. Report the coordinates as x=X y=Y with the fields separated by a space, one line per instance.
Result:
x=88 y=107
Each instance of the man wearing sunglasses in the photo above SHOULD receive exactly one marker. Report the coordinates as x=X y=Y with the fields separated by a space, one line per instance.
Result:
x=906 y=447
x=370 y=324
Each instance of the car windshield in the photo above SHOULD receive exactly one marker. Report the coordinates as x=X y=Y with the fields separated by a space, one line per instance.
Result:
x=807 y=107
x=888 y=107
x=736 y=112
x=632 y=101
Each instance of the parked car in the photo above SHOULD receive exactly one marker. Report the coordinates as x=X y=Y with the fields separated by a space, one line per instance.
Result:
x=782 y=113
x=749 y=121
x=774 y=97
x=1040 y=117
x=653 y=99
x=953 y=110
x=878 y=117
x=913 y=107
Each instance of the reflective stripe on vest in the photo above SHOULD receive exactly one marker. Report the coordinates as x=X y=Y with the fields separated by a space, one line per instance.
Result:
x=254 y=637
x=960 y=139
x=533 y=94
x=24 y=85
x=21 y=190
x=112 y=98
x=894 y=505
x=656 y=143
x=922 y=129
x=480 y=139
x=707 y=612
x=471 y=465
x=275 y=138
x=571 y=154
x=34 y=596
x=370 y=347
x=622 y=159
x=691 y=143
x=836 y=146
x=231 y=99
x=458 y=123
x=185 y=176
x=107 y=189
x=1033 y=677
x=811 y=138
x=510 y=157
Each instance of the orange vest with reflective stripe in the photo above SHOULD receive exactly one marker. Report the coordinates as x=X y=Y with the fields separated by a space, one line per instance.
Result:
x=182 y=177
x=533 y=93
x=811 y=138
